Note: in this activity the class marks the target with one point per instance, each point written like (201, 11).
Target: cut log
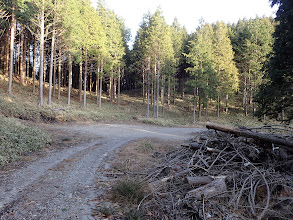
(197, 146)
(263, 138)
(209, 190)
(198, 180)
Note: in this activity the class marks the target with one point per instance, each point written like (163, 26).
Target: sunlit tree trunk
(69, 78)
(101, 85)
(85, 80)
(51, 68)
(41, 73)
(169, 93)
(148, 87)
(22, 58)
(12, 36)
(143, 86)
(54, 75)
(158, 90)
(119, 86)
(80, 82)
(59, 75)
(34, 65)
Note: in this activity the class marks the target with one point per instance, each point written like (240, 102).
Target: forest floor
(61, 181)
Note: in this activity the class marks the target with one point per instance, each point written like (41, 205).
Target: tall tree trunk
(69, 78)
(119, 86)
(245, 97)
(90, 76)
(148, 87)
(6, 67)
(163, 93)
(85, 79)
(111, 87)
(218, 106)
(54, 75)
(22, 59)
(12, 36)
(153, 91)
(174, 93)
(59, 75)
(143, 86)
(34, 65)
(158, 90)
(114, 88)
(194, 104)
(226, 107)
(169, 93)
(80, 82)
(51, 68)
(98, 83)
(101, 84)
(41, 73)
(199, 108)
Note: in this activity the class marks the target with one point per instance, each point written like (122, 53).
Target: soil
(62, 181)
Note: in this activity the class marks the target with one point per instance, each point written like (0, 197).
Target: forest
(71, 45)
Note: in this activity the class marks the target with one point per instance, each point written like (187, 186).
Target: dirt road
(61, 185)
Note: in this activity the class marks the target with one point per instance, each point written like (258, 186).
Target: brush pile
(220, 175)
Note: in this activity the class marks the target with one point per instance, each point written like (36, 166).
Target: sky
(189, 12)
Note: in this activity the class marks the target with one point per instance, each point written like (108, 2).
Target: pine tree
(225, 65)
(276, 95)
(203, 72)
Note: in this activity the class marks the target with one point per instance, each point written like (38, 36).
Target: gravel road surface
(61, 185)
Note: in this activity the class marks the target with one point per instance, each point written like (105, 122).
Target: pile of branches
(221, 175)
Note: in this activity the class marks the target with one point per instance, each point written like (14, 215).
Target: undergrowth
(17, 139)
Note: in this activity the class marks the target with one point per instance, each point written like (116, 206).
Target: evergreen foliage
(276, 95)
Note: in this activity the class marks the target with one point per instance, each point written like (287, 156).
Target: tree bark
(158, 90)
(218, 106)
(6, 67)
(98, 83)
(163, 93)
(69, 78)
(148, 86)
(114, 88)
(34, 66)
(80, 82)
(41, 73)
(169, 92)
(101, 84)
(194, 104)
(54, 76)
(51, 68)
(85, 79)
(22, 58)
(143, 86)
(119, 86)
(59, 75)
(12, 36)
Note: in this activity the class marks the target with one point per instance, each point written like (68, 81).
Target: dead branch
(263, 138)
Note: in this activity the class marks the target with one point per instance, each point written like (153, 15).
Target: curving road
(61, 185)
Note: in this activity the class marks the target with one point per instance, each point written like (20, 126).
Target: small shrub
(146, 147)
(133, 215)
(106, 210)
(17, 139)
(131, 191)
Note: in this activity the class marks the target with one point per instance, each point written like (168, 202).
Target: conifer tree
(225, 66)
(276, 94)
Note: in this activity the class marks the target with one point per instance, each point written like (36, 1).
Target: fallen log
(263, 138)
(209, 190)
(197, 146)
(198, 180)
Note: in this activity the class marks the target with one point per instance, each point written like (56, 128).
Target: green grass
(17, 139)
